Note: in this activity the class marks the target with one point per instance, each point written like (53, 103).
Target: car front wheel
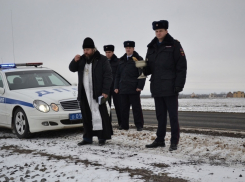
(21, 125)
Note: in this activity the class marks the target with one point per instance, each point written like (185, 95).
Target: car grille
(70, 105)
(71, 122)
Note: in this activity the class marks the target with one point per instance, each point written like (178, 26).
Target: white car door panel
(2, 104)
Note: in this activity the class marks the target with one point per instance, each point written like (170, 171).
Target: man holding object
(95, 78)
(129, 87)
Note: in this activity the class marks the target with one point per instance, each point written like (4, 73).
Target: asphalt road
(224, 121)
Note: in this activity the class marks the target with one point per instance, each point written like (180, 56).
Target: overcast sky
(52, 32)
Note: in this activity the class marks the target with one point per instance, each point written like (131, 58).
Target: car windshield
(34, 79)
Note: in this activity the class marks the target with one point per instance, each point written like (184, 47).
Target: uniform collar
(129, 56)
(168, 40)
(113, 58)
(125, 57)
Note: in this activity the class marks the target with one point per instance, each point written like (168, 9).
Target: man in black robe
(95, 79)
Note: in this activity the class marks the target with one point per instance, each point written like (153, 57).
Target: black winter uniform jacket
(167, 65)
(127, 75)
(114, 61)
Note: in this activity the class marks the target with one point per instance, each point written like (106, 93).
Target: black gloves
(177, 89)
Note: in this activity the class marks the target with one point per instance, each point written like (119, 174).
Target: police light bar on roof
(12, 65)
(8, 65)
(29, 64)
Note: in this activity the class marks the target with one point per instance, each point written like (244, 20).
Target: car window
(40, 80)
(55, 80)
(1, 82)
(11, 78)
(34, 79)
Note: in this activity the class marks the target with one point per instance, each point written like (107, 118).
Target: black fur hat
(109, 48)
(88, 43)
(129, 43)
(162, 24)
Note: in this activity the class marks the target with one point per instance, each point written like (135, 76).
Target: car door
(2, 103)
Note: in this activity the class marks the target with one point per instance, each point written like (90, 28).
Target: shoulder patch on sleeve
(182, 52)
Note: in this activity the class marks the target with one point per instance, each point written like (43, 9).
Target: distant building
(193, 95)
(229, 95)
(212, 95)
(238, 94)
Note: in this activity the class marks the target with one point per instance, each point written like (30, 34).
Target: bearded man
(95, 79)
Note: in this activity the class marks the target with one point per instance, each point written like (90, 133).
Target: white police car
(34, 99)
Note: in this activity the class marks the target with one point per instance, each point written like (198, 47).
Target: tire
(21, 126)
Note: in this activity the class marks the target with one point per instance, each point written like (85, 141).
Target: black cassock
(102, 79)
(87, 120)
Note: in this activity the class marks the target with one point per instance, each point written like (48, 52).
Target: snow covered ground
(235, 105)
(55, 156)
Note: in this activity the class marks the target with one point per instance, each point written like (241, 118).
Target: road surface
(226, 121)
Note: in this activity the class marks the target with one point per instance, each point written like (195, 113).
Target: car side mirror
(2, 90)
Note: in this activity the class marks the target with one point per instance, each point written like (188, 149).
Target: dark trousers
(170, 104)
(117, 103)
(134, 100)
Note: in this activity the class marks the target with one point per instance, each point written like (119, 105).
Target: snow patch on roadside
(198, 158)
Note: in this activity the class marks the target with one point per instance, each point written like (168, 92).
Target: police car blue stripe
(13, 101)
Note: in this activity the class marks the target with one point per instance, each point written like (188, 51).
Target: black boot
(101, 142)
(156, 144)
(84, 143)
(173, 147)
(139, 128)
(120, 127)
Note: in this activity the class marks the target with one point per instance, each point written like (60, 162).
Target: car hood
(50, 94)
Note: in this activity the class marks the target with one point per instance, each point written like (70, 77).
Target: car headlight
(54, 107)
(41, 106)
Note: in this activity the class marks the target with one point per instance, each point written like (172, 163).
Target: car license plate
(75, 116)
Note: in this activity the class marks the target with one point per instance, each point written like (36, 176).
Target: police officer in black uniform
(109, 51)
(129, 86)
(166, 63)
